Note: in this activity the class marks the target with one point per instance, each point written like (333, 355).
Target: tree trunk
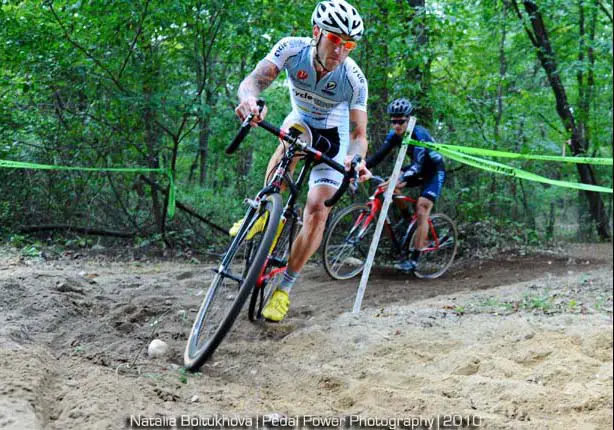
(203, 149)
(420, 72)
(374, 60)
(499, 106)
(579, 145)
(193, 168)
(152, 137)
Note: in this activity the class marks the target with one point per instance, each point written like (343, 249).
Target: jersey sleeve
(284, 49)
(419, 154)
(382, 152)
(359, 85)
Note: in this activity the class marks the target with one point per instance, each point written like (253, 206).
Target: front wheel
(235, 277)
(276, 263)
(347, 241)
(441, 246)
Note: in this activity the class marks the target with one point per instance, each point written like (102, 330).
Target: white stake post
(382, 217)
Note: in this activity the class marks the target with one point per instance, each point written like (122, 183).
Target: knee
(422, 210)
(316, 219)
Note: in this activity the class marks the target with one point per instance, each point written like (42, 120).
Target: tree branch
(185, 207)
(136, 36)
(514, 5)
(551, 125)
(82, 49)
(606, 11)
(85, 230)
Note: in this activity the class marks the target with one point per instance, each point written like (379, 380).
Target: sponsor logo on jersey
(302, 75)
(331, 86)
(317, 101)
(280, 48)
(358, 74)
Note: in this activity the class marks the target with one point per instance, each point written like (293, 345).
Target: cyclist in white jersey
(329, 99)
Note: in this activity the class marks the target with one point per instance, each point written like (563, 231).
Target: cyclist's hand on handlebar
(364, 174)
(397, 189)
(248, 107)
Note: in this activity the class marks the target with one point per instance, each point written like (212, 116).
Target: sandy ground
(518, 342)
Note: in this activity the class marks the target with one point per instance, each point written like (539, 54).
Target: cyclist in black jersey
(427, 169)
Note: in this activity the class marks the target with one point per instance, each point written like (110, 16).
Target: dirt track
(520, 342)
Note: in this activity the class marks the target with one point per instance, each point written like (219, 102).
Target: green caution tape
(503, 154)
(167, 172)
(500, 168)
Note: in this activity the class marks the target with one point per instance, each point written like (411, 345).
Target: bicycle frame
(281, 175)
(274, 186)
(375, 204)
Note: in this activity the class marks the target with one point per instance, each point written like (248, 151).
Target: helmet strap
(318, 55)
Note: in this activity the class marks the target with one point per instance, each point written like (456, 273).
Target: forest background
(153, 84)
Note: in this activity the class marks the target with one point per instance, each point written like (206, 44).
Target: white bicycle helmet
(338, 16)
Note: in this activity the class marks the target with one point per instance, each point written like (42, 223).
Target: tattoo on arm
(353, 126)
(259, 80)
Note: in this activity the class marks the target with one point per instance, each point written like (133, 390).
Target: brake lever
(248, 119)
(353, 187)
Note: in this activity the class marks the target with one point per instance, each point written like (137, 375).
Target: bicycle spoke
(346, 242)
(223, 291)
(342, 257)
(440, 248)
(234, 280)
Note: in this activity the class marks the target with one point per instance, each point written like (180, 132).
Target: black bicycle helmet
(400, 107)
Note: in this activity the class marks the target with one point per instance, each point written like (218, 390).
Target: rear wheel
(235, 277)
(347, 241)
(441, 246)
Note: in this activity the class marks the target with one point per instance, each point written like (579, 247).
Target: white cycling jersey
(323, 104)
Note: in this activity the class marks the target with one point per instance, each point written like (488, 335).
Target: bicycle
(255, 256)
(349, 235)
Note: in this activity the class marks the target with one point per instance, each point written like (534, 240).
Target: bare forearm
(358, 145)
(358, 135)
(248, 89)
(257, 81)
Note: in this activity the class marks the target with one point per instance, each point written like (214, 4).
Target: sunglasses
(337, 40)
(398, 121)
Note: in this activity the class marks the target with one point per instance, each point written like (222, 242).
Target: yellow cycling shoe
(277, 308)
(258, 226)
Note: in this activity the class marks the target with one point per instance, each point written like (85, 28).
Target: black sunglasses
(398, 121)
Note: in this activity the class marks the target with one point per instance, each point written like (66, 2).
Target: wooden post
(382, 218)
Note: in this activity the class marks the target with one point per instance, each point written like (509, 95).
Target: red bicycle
(349, 235)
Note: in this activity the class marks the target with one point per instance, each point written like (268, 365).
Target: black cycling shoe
(407, 266)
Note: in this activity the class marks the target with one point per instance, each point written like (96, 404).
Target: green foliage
(129, 84)
(185, 375)
(541, 303)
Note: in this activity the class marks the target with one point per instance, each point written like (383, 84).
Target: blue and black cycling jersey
(427, 163)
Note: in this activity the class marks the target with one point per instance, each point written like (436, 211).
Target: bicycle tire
(261, 294)
(347, 259)
(441, 252)
(256, 250)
